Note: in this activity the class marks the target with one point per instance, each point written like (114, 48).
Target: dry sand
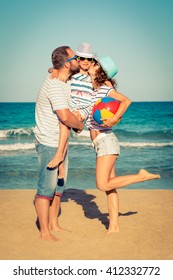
(146, 227)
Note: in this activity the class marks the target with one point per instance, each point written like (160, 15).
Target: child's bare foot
(148, 176)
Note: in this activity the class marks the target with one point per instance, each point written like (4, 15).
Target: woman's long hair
(101, 78)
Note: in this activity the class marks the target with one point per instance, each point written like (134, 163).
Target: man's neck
(59, 75)
(62, 77)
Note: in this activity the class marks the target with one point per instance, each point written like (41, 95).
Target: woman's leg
(113, 208)
(104, 165)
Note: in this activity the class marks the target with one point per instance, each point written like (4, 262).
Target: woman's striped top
(97, 94)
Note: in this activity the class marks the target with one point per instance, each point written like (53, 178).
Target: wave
(27, 132)
(166, 133)
(123, 133)
(31, 146)
(17, 147)
(145, 144)
(16, 132)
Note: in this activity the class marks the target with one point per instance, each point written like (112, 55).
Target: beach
(145, 218)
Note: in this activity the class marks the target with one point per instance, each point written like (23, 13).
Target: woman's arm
(124, 104)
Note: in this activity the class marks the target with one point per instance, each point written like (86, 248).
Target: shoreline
(145, 218)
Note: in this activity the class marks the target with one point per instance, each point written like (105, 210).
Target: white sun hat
(85, 50)
(108, 66)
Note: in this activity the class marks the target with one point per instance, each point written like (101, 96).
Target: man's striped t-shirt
(53, 95)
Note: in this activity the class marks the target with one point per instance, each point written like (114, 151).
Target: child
(79, 103)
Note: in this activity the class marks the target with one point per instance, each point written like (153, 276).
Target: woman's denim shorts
(47, 182)
(106, 143)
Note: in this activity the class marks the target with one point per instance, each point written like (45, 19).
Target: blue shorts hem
(44, 197)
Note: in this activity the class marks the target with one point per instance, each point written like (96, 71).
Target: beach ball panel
(100, 105)
(105, 114)
(97, 116)
(107, 99)
(94, 109)
(98, 101)
(112, 106)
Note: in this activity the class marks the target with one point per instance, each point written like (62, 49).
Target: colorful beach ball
(105, 108)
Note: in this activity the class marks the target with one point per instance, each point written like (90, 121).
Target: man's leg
(46, 189)
(56, 203)
(53, 213)
(42, 207)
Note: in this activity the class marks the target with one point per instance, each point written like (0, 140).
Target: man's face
(74, 65)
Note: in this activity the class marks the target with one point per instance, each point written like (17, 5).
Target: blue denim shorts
(106, 143)
(47, 182)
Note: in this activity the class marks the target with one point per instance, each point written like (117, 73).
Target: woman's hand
(110, 121)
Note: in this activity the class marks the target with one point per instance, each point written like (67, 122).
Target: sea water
(145, 134)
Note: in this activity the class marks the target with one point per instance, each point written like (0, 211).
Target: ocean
(145, 134)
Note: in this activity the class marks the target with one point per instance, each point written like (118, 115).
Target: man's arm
(69, 119)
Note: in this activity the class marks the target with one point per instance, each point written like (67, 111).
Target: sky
(136, 34)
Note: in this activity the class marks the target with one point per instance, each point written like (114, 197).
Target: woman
(105, 142)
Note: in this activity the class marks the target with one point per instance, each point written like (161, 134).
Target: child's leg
(61, 168)
(62, 146)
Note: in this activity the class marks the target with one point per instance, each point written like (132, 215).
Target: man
(52, 106)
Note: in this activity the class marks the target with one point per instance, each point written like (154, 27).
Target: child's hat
(85, 50)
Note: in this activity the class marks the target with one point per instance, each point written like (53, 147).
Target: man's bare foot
(58, 228)
(113, 229)
(148, 176)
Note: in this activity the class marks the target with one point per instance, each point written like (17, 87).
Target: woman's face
(93, 68)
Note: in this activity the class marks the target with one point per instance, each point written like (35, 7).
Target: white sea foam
(144, 144)
(17, 146)
(31, 146)
(3, 133)
(16, 132)
(79, 144)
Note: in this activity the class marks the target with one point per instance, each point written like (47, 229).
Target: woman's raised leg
(104, 165)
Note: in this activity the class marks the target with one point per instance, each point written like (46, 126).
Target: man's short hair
(59, 56)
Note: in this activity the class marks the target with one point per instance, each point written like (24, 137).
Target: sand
(146, 227)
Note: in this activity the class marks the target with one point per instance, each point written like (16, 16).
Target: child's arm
(78, 114)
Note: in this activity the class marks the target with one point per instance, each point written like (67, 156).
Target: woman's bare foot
(148, 176)
(113, 229)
